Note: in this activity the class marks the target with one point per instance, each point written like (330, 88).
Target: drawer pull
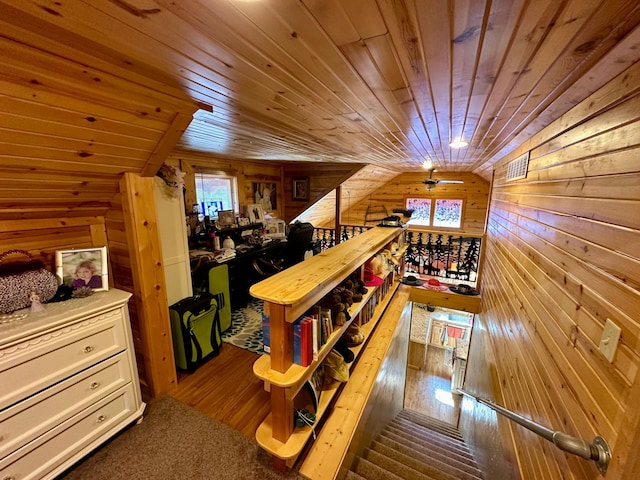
(9, 478)
(101, 419)
(88, 349)
(95, 385)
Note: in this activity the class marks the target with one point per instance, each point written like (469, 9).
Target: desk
(242, 274)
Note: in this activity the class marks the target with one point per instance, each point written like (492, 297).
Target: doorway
(436, 364)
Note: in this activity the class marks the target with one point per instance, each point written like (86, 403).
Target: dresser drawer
(26, 420)
(37, 363)
(48, 452)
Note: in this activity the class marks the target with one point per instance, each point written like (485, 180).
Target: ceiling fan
(431, 182)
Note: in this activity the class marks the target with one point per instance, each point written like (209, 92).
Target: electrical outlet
(609, 339)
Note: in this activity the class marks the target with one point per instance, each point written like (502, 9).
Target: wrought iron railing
(324, 238)
(443, 255)
(447, 256)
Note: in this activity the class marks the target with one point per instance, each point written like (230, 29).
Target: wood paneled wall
(353, 190)
(323, 178)
(474, 191)
(563, 255)
(246, 174)
(41, 238)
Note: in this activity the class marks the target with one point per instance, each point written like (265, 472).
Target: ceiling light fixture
(427, 165)
(458, 143)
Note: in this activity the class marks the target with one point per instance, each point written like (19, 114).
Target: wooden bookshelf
(287, 296)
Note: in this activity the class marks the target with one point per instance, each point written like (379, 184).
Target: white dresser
(68, 382)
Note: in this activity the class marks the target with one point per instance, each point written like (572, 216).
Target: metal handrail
(598, 450)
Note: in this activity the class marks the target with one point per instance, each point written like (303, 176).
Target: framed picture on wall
(83, 268)
(265, 194)
(300, 189)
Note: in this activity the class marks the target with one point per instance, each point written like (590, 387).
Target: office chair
(299, 242)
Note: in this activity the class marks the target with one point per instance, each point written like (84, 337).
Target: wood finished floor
(428, 390)
(225, 388)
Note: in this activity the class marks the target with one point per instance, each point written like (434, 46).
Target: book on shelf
(266, 339)
(302, 341)
(315, 383)
(297, 341)
(326, 323)
(311, 392)
(307, 340)
(315, 336)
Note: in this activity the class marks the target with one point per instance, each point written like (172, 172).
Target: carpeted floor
(246, 327)
(175, 441)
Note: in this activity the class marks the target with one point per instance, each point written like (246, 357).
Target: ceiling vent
(517, 169)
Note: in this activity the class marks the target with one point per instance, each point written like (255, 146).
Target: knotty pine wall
(323, 178)
(393, 194)
(563, 255)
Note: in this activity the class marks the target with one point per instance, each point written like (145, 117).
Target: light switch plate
(609, 339)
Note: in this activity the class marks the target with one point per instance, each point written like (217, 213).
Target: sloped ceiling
(357, 188)
(96, 88)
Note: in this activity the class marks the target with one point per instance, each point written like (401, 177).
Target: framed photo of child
(78, 268)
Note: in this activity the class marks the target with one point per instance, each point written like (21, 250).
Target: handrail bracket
(598, 450)
(604, 454)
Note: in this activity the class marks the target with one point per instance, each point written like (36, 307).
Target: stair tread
(371, 471)
(427, 421)
(351, 475)
(430, 437)
(417, 447)
(392, 465)
(421, 432)
(437, 469)
(423, 417)
(410, 448)
(431, 424)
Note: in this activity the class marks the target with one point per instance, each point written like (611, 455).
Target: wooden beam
(166, 144)
(150, 291)
(455, 301)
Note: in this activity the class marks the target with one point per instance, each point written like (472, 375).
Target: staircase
(417, 447)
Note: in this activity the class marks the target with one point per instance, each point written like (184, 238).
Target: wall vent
(517, 169)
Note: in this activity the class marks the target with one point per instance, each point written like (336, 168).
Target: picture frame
(265, 194)
(86, 267)
(300, 189)
(255, 213)
(226, 218)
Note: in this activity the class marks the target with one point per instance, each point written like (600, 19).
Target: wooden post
(150, 291)
(338, 221)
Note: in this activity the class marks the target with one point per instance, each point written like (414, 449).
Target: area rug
(246, 327)
(175, 441)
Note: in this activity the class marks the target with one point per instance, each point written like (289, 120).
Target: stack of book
(310, 333)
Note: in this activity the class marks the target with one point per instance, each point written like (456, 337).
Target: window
(446, 213)
(216, 192)
(421, 211)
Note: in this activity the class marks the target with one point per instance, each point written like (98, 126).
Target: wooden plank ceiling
(384, 82)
